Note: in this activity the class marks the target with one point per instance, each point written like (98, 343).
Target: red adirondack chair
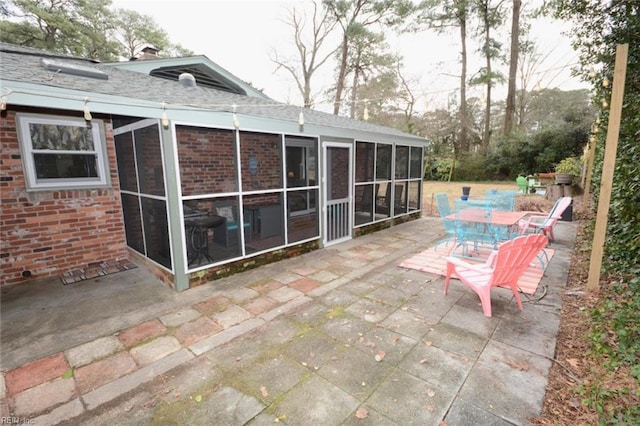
(503, 268)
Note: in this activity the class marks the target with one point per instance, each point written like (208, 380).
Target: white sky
(239, 35)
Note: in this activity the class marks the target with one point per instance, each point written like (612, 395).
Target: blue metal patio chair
(473, 226)
(505, 201)
(501, 199)
(444, 209)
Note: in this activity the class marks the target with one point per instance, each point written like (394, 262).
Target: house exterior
(179, 166)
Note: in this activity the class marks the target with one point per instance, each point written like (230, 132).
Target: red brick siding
(267, 150)
(51, 232)
(160, 273)
(207, 160)
(303, 227)
(339, 174)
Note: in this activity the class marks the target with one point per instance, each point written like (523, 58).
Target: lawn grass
(454, 190)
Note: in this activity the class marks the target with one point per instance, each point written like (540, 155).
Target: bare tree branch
(309, 56)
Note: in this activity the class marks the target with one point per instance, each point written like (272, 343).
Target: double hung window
(62, 152)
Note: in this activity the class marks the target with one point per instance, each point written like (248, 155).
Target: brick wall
(47, 233)
(207, 160)
(339, 176)
(261, 163)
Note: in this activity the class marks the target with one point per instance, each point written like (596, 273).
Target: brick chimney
(149, 52)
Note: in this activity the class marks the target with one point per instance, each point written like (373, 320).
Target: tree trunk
(464, 127)
(510, 107)
(522, 108)
(342, 74)
(354, 85)
(486, 133)
(307, 90)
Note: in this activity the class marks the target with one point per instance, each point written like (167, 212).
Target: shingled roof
(22, 73)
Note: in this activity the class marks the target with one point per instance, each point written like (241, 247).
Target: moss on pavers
(346, 329)
(427, 362)
(409, 400)
(370, 310)
(270, 379)
(313, 350)
(355, 372)
(316, 402)
(407, 323)
(457, 340)
(394, 345)
(224, 406)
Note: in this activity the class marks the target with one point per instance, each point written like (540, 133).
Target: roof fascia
(35, 95)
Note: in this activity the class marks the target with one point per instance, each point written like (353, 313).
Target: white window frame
(23, 121)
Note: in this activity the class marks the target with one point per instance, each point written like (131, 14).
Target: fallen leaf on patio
(362, 413)
(67, 374)
(396, 340)
(198, 398)
(428, 343)
(177, 394)
(422, 361)
(431, 393)
(573, 362)
(429, 407)
(521, 365)
(404, 308)
(264, 392)
(443, 423)
(380, 356)
(334, 358)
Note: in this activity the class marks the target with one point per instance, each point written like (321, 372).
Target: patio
(329, 337)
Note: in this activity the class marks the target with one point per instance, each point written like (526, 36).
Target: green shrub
(570, 165)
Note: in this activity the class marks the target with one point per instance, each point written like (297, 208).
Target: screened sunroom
(234, 194)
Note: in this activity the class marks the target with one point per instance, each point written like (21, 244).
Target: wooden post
(591, 155)
(611, 146)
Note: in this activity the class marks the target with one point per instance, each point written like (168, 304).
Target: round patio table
(197, 232)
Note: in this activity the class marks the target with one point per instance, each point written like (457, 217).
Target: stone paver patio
(337, 336)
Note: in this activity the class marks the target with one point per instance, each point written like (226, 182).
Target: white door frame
(337, 215)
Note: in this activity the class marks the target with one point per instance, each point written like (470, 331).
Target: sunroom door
(337, 187)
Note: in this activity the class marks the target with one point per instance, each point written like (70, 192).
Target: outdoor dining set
(513, 240)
